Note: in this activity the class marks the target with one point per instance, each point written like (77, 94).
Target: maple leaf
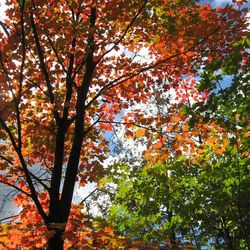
(69, 71)
(140, 132)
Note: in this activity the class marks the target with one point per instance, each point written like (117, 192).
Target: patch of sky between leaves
(2, 9)
(222, 3)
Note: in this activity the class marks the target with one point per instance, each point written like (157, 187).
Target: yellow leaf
(156, 38)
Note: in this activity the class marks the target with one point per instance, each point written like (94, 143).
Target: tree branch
(5, 159)
(148, 128)
(92, 192)
(40, 181)
(73, 162)
(92, 125)
(56, 53)
(15, 187)
(129, 76)
(19, 125)
(14, 99)
(60, 139)
(9, 217)
(34, 176)
(25, 169)
(5, 28)
(43, 66)
(124, 33)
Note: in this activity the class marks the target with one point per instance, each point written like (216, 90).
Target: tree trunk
(56, 242)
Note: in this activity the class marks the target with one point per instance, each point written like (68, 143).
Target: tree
(198, 195)
(67, 70)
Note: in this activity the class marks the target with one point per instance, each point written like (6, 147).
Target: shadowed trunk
(56, 242)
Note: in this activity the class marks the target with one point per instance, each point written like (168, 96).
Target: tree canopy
(128, 95)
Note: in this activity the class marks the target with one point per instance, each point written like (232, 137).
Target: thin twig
(17, 188)
(92, 125)
(9, 217)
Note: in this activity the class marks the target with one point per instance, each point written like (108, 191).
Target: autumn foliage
(71, 72)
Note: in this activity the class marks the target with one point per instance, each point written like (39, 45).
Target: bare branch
(40, 181)
(149, 128)
(69, 83)
(15, 100)
(8, 79)
(15, 187)
(5, 28)
(91, 193)
(9, 217)
(36, 84)
(34, 176)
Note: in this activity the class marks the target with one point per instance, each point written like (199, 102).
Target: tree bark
(56, 242)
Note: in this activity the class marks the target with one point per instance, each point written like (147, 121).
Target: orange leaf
(175, 118)
(109, 127)
(140, 132)
(158, 145)
(170, 128)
